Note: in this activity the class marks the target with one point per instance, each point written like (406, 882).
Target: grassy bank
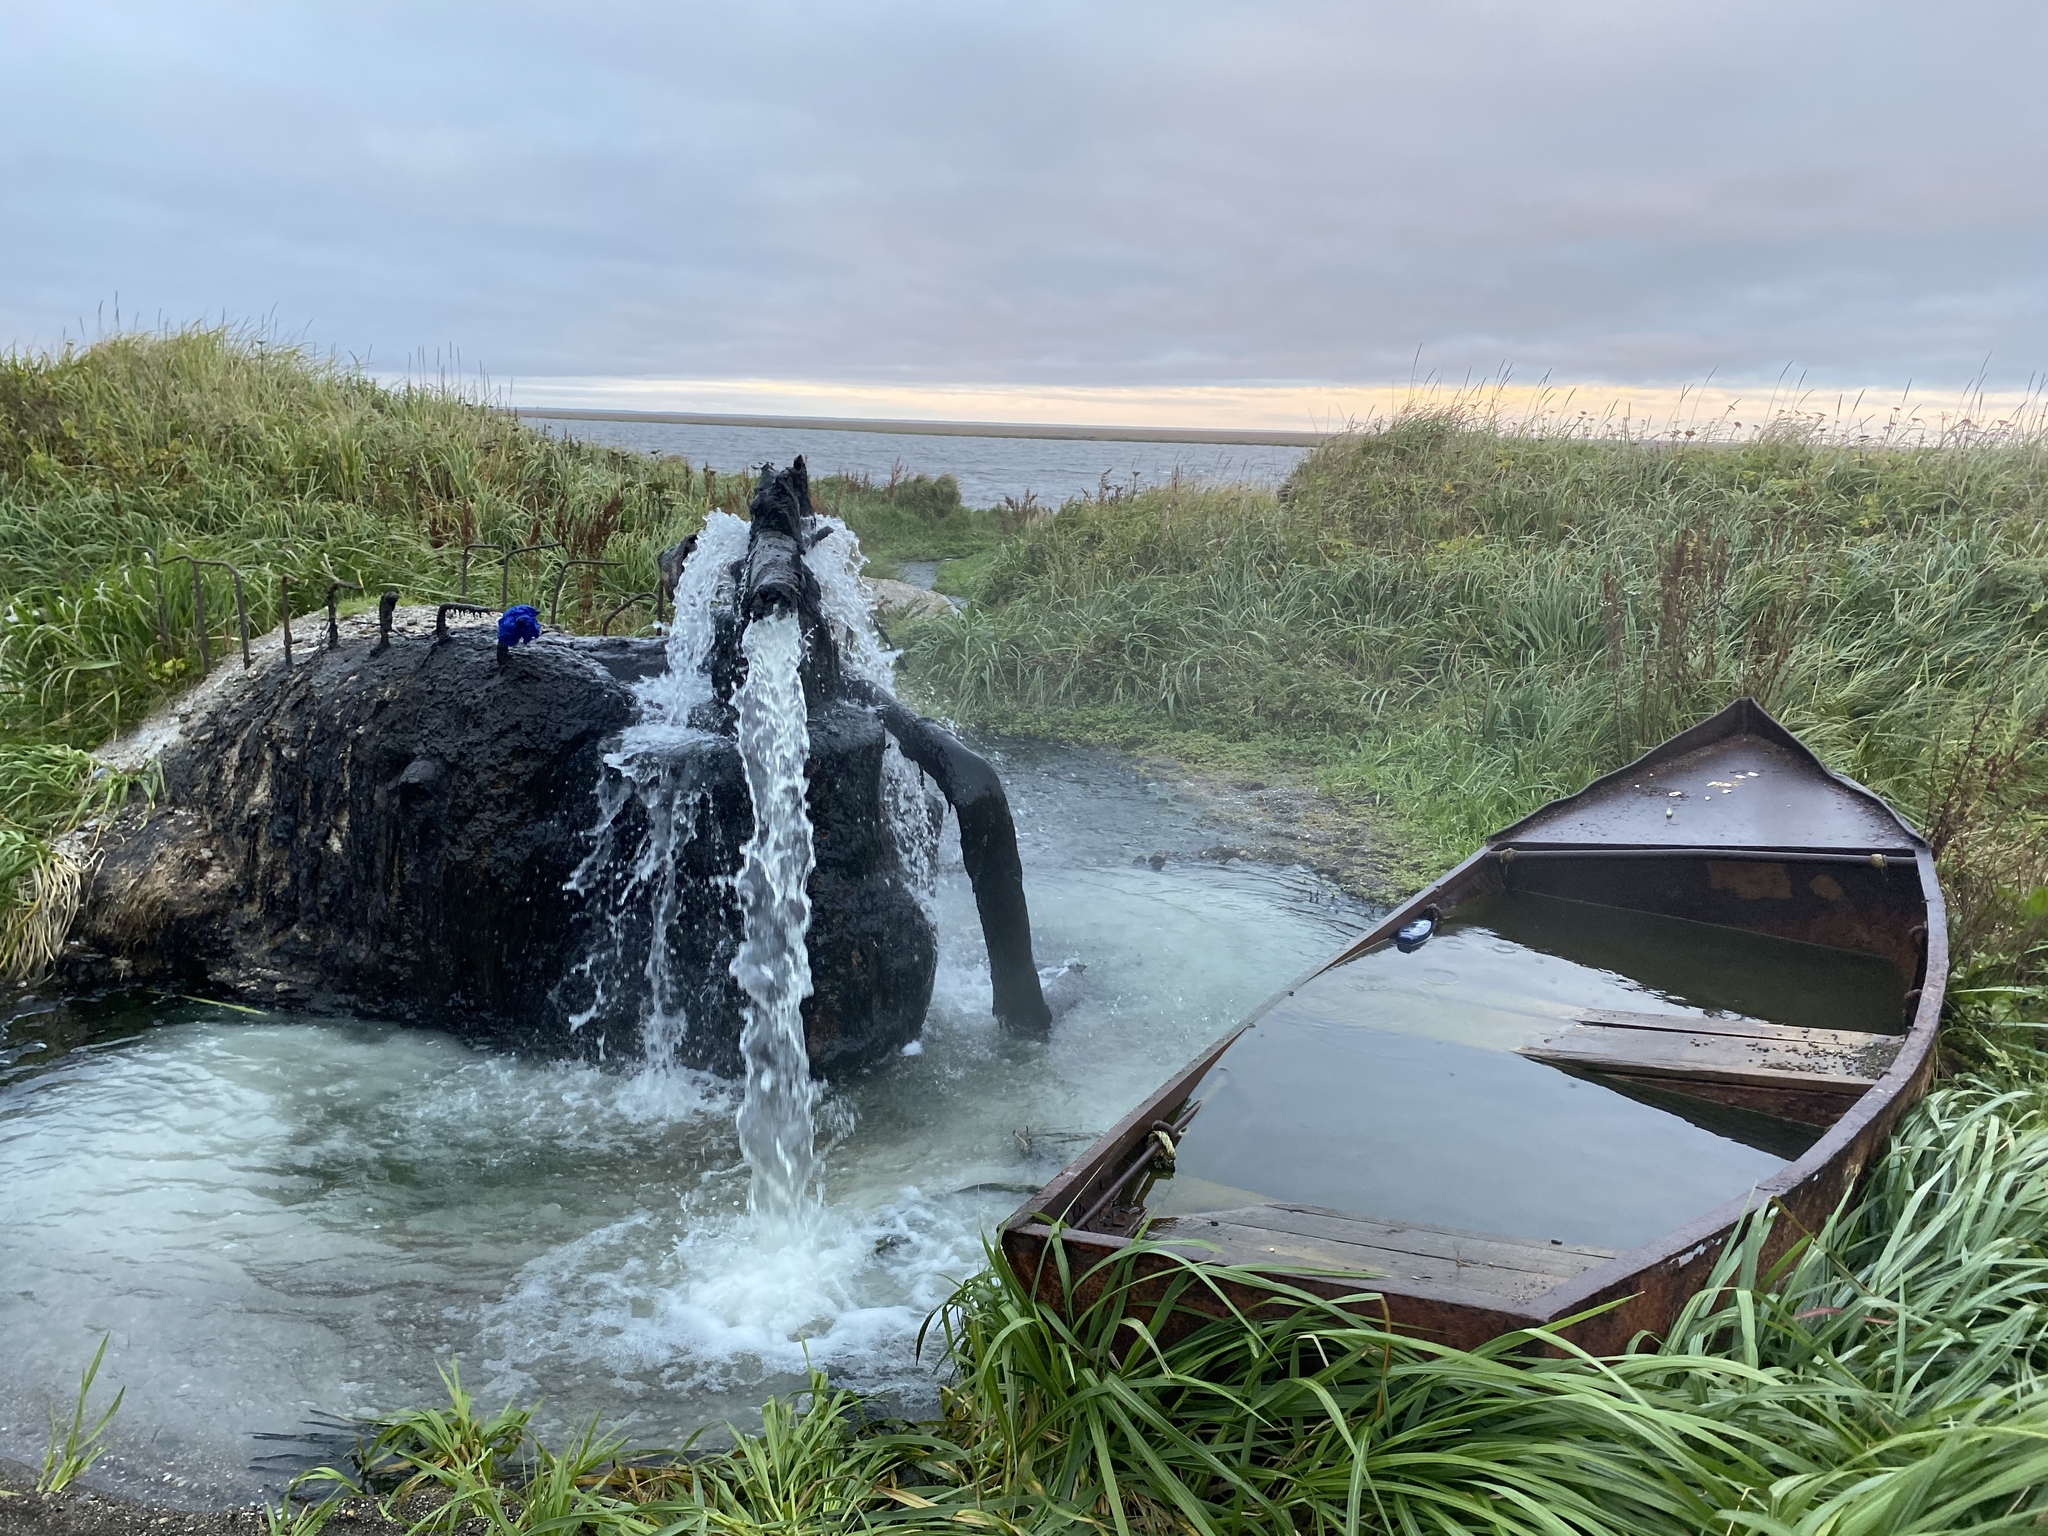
(1452, 625)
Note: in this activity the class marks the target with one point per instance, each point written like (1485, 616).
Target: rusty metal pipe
(562, 579)
(638, 597)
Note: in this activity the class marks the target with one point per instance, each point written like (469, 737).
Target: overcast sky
(1046, 196)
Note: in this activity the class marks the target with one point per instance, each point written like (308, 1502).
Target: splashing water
(773, 967)
(358, 1202)
(913, 813)
(654, 769)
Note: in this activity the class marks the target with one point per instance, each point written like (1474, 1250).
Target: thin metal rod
(464, 588)
(163, 624)
(284, 606)
(638, 597)
(333, 620)
(441, 617)
(505, 567)
(199, 615)
(1123, 1180)
(386, 606)
(562, 578)
(241, 603)
(242, 617)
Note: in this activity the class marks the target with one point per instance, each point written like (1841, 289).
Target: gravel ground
(83, 1513)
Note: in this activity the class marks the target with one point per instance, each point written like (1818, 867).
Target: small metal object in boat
(1410, 937)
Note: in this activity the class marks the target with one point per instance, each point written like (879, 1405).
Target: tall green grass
(123, 463)
(1454, 623)
(220, 446)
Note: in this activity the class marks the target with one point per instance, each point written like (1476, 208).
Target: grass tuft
(73, 1448)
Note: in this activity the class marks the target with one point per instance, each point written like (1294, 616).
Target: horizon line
(1249, 437)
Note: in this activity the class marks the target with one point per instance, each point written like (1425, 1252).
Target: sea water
(988, 468)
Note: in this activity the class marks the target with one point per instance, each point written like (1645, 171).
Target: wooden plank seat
(1807, 1075)
(1282, 1236)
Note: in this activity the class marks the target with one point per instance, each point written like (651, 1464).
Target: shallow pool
(283, 1222)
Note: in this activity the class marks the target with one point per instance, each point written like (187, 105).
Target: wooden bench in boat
(1808, 1075)
(1283, 1236)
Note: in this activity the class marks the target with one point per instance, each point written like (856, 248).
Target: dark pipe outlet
(988, 847)
(781, 503)
(774, 577)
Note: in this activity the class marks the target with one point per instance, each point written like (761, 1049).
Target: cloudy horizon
(1275, 216)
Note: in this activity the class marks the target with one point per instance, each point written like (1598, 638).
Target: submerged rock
(393, 831)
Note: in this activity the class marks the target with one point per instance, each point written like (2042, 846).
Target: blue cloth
(519, 624)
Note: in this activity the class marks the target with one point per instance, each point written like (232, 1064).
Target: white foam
(837, 562)
(739, 1300)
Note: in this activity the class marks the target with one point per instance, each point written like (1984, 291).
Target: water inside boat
(1390, 1087)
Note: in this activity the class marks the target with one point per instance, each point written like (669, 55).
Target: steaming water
(279, 1218)
(773, 967)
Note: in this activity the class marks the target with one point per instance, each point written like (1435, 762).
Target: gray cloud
(1056, 194)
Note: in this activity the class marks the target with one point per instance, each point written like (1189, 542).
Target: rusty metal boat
(1555, 1081)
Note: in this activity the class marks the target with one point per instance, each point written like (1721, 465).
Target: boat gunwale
(1678, 1261)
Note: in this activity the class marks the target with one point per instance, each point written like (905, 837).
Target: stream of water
(777, 1133)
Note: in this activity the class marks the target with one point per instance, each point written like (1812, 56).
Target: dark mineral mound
(393, 831)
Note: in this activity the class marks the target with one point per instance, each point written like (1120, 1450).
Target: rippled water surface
(282, 1220)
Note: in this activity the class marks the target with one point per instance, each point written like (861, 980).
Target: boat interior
(1624, 1012)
